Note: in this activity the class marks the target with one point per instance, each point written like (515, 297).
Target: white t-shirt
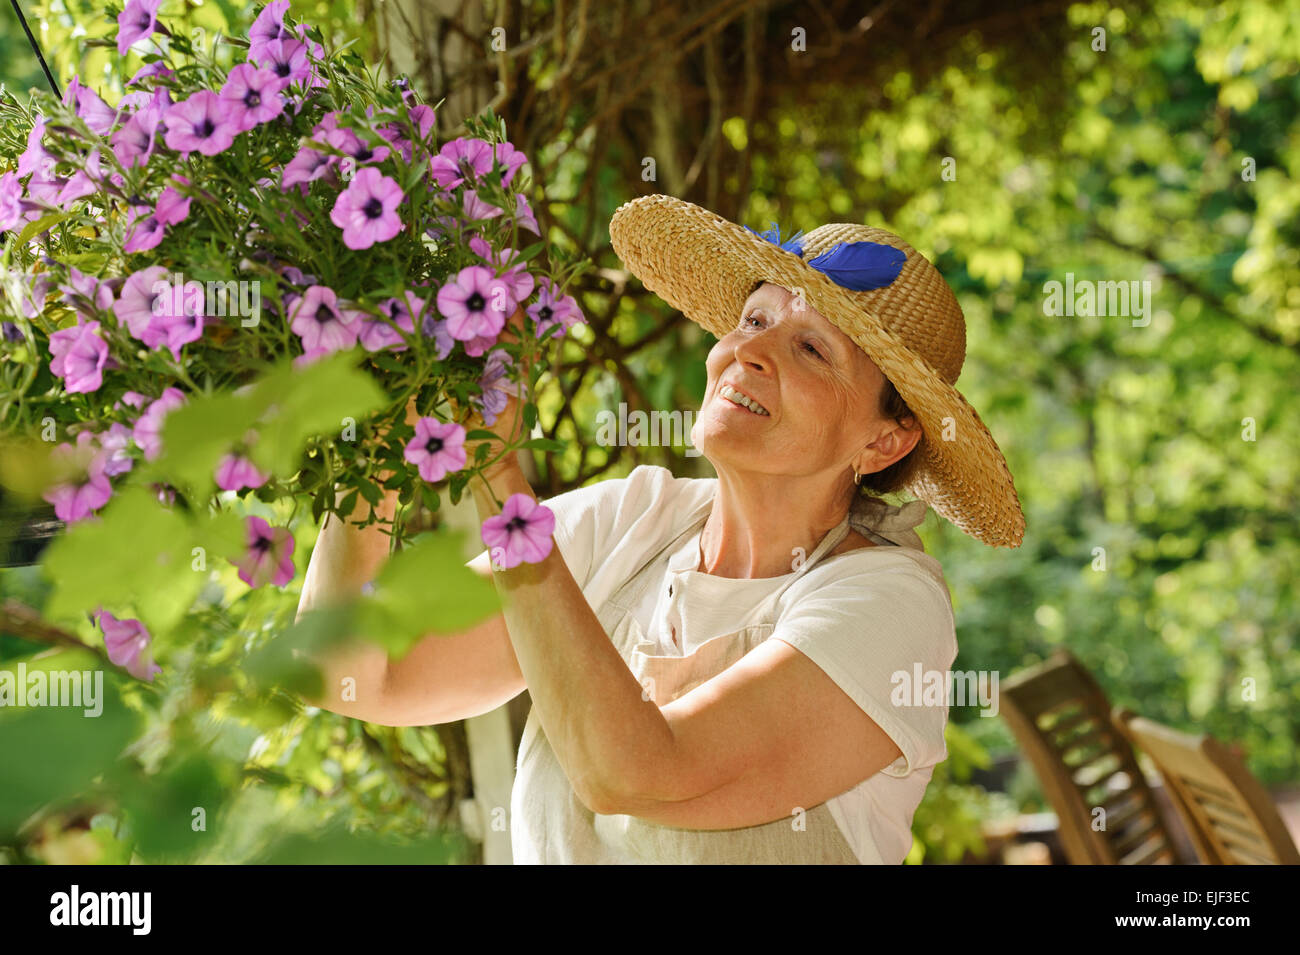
(864, 617)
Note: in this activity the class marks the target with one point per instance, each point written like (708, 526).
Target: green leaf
(139, 555)
(544, 444)
(302, 402)
(337, 846)
(196, 435)
(34, 229)
(50, 753)
(425, 589)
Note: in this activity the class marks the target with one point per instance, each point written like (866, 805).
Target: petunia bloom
(114, 452)
(160, 313)
(148, 429)
(307, 165)
(465, 156)
(77, 499)
(366, 210)
(137, 20)
(269, 558)
(497, 388)
(510, 158)
(79, 357)
(252, 96)
(475, 303)
(134, 143)
(437, 448)
(551, 311)
(316, 318)
(287, 59)
(88, 105)
(377, 334)
(127, 642)
(234, 471)
(521, 533)
(202, 123)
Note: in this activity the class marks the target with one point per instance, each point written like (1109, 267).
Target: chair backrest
(1061, 718)
(1230, 816)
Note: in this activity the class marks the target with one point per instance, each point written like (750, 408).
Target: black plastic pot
(25, 531)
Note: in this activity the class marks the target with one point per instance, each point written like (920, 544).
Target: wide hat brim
(706, 267)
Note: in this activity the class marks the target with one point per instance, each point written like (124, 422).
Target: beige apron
(548, 823)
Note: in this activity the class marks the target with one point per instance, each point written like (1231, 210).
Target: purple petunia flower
(475, 303)
(305, 167)
(551, 311)
(511, 159)
(287, 59)
(114, 450)
(517, 278)
(157, 69)
(458, 158)
(234, 471)
(347, 141)
(524, 214)
(316, 318)
(423, 117)
(437, 448)
(148, 228)
(133, 144)
(12, 208)
(366, 210)
(269, 558)
(137, 20)
(86, 103)
(268, 26)
(148, 429)
(160, 313)
(497, 388)
(79, 357)
(252, 96)
(34, 294)
(436, 328)
(35, 158)
(475, 208)
(521, 533)
(127, 642)
(82, 183)
(376, 334)
(77, 499)
(202, 123)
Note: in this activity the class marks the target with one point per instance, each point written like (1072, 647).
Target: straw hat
(876, 289)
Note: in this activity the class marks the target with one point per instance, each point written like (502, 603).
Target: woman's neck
(767, 536)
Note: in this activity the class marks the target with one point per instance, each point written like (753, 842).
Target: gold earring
(857, 478)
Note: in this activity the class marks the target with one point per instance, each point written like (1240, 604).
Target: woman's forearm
(592, 709)
(345, 558)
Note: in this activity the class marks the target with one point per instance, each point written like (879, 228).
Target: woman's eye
(748, 318)
(811, 348)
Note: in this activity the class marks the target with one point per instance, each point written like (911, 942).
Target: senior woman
(714, 663)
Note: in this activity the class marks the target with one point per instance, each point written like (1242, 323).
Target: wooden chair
(1231, 818)
(1062, 720)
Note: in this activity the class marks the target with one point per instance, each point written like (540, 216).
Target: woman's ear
(892, 446)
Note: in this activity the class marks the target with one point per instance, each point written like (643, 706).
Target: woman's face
(819, 394)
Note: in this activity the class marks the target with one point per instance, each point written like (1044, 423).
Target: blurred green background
(1012, 148)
